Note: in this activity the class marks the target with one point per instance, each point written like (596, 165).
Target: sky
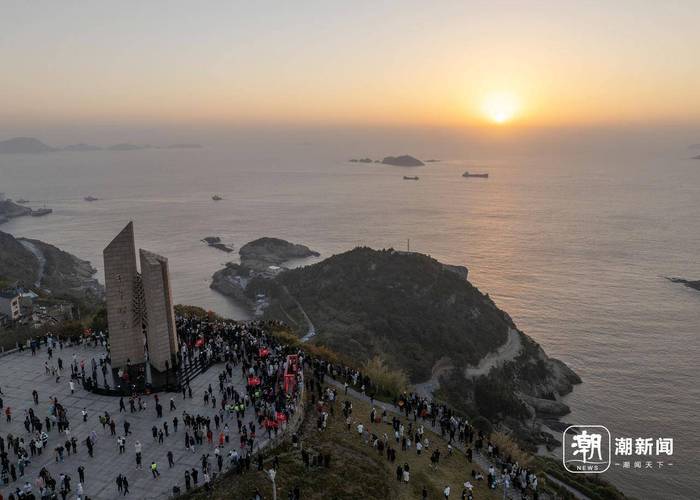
(374, 63)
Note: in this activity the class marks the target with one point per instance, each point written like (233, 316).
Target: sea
(575, 247)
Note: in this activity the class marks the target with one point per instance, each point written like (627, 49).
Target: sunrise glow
(501, 107)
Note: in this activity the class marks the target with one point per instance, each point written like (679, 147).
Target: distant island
(398, 161)
(82, 147)
(31, 145)
(24, 145)
(402, 161)
(127, 147)
(185, 146)
(696, 157)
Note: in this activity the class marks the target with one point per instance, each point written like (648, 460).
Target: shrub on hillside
(386, 380)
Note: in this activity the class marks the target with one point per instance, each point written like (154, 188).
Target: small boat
(40, 211)
(22, 201)
(90, 198)
(216, 197)
(483, 176)
(410, 177)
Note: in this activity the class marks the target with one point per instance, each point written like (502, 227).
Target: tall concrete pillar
(125, 334)
(160, 331)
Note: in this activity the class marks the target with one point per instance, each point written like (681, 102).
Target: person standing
(171, 462)
(81, 474)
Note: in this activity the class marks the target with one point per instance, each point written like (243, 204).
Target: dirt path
(507, 352)
(311, 330)
(427, 388)
(39, 256)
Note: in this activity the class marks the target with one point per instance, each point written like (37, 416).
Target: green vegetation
(197, 312)
(407, 308)
(386, 380)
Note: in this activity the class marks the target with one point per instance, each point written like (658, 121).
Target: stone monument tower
(139, 305)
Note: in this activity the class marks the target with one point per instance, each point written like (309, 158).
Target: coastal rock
(215, 242)
(232, 281)
(256, 258)
(695, 285)
(460, 271)
(402, 161)
(696, 157)
(361, 160)
(24, 145)
(265, 252)
(10, 210)
(546, 407)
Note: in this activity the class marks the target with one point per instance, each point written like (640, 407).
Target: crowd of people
(228, 429)
(408, 435)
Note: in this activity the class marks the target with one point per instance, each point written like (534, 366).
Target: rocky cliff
(38, 265)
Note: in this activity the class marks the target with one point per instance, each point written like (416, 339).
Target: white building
(9, 305)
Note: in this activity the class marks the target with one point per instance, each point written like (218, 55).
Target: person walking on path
(154, 470)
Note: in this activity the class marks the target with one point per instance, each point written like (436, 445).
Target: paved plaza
(21, 373)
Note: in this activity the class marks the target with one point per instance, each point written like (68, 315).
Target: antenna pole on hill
(408, 245)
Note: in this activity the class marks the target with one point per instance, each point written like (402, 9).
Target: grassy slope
(356, 470)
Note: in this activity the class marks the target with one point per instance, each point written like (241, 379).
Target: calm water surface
(574, 249)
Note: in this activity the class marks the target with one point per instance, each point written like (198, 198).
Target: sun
(500, 107)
